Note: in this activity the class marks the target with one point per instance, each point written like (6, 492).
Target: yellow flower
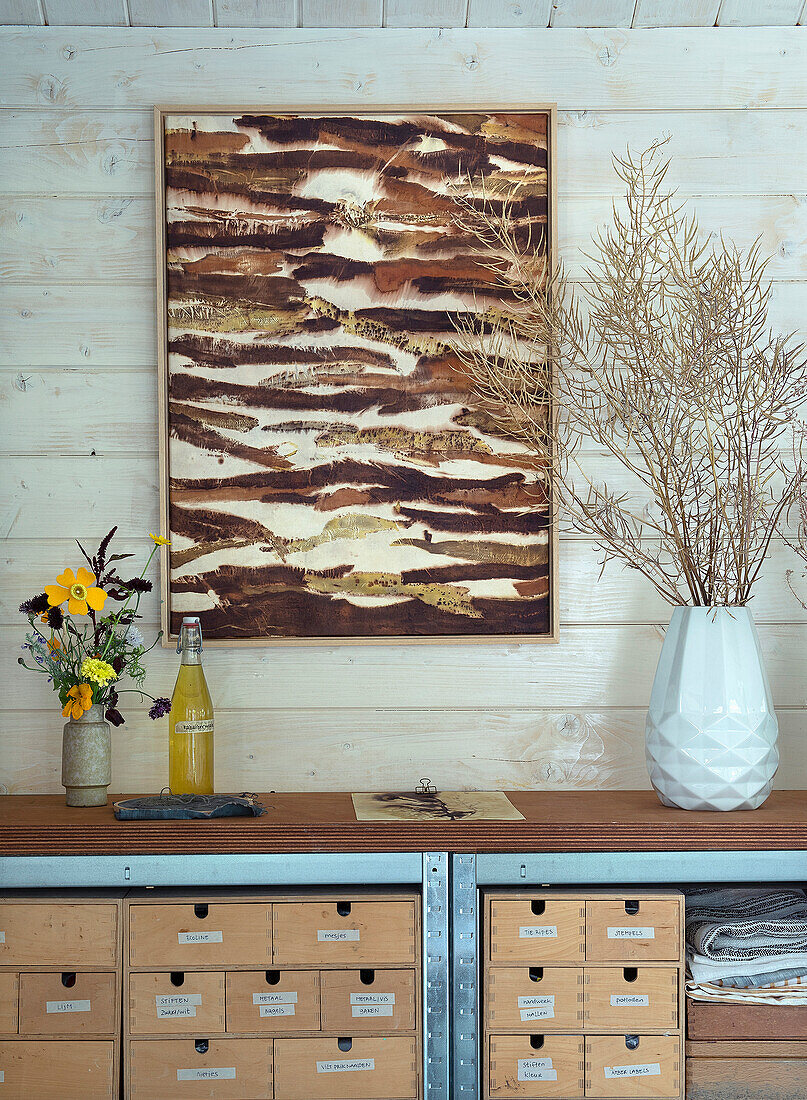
(159, 540)
(78, 591)
(98, 671)
(79, 699)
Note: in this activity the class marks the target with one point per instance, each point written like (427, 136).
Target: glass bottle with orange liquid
(190, 744)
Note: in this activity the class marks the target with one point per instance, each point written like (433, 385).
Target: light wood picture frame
(324, 475)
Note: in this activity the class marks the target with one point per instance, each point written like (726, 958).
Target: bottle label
(203, 725)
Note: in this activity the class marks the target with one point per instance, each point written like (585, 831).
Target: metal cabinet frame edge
(429, 870)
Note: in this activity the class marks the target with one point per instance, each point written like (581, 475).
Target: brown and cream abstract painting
(328, 474)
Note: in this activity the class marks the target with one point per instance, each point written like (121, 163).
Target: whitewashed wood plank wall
(78, 385)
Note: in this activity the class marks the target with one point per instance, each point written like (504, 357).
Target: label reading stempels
(339, 935)
(630, 1000)
(200, 937)
(536, 1069)
(629, 933)
(538, 932)
(648, 1069)
(203, 725)
(223, 1073)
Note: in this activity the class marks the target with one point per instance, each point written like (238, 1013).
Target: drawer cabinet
(541, 929)
(198, 934)
(58, 1070)
(636, 1065)
(178, 1003)
(58, 934)
(346, 1069)
(537, 1065)
(69, 1003)
(368, 1000)
(631, 998)
(273, 1001)
(214, 1069)
(338, 933)
(633, 930)
(534, 998)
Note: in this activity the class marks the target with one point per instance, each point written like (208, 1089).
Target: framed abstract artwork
(325, 475)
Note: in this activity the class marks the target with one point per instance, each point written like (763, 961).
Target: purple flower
(114, 716)
(159, 707)
(137, 584)
(55, 618)
(37, 605)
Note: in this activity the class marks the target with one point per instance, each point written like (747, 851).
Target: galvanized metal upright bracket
(436, 945)
(464, 929)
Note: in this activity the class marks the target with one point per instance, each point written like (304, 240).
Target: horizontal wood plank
(104, 240)
(64, 69)
(714, 152)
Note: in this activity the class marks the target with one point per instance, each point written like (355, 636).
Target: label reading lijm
(68, 1006)
(354, 1065)
(649, 1069)
(277, 998)
(176, 1012)
(536, 1069)
(267, 1011)
(203, 725)
(177, 1000)
(341, 935)
(630, 1000)
(372, 998)
(200, 937)
(222, 1073)
(538, 932)
(630, 933)
(362, 1011)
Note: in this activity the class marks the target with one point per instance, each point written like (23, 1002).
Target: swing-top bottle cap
(191, 619)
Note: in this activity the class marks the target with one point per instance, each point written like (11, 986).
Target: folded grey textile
(742, 925)
(178, 807)
(749, 970)
(770, 977)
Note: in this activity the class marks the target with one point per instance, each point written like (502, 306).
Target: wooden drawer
(50, 1069)
(633, 930)
(336, 933)
(537, 929)
(231, 1069)
(9, 1000)
(273, 1001)
(767, 1070)
(346, 1069)
(84, 1005)
(368, 1000)
(63, 934)
(187, 936)
(537, 1065)
(178, 1003)
(614, 1067)
(713, 1020)
(631, 998)
(524, 998)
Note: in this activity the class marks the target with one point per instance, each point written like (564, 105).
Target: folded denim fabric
(179, 807)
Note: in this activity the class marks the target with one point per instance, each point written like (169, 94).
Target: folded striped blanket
(732, 925)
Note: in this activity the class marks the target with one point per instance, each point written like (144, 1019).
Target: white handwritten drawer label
(340, 935)
(178, 1012)
(631, 933)
(2, 1076)
(68, 1006)
(346, 1065)
(371, 1010)
(169, 1000)
(200, 937)
(278, 998)
(649, 1069)
(630, 1000)
(2, 937)
(222, 1073)
(538, 932)
(276, 1010)
(536, 1069)
(372, 998)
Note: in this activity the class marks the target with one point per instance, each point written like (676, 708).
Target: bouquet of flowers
(83, 652)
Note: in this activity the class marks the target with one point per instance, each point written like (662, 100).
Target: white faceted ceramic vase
(711, 730)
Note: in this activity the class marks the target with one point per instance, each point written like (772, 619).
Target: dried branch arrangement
(664, 361)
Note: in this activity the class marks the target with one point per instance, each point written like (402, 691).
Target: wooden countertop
(559, 821)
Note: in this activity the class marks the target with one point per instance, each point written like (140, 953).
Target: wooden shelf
(563, 821)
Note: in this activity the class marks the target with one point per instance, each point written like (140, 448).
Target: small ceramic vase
(711, 730)
(87, 758)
